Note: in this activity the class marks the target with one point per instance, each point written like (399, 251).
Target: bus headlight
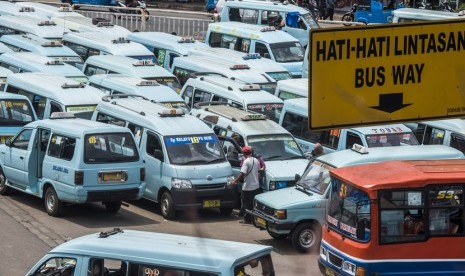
(349, 268)
(181, 183)
(323, 253)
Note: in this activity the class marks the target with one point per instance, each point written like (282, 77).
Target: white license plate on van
(115, 176)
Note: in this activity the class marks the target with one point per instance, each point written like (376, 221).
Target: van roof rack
(198, 74)
(108, 98)
(216, 103)
(72, 85)
(106, 234)
(26, 9)
(216, 83)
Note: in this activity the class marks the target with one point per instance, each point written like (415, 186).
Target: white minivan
(185, 165)
(298, 20)
(268, 42)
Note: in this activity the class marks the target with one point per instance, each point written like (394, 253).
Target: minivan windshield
(271, 110)
(110, 147)
(287, 51)
(316, 178)
(171, 82)
(15, 113)
(276, 147)
(194, 149)
(82, 111)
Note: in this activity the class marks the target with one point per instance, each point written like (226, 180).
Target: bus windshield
(271, 110)
(194, 149)
(276, 147)
(316, 178)
(349, 211)
(287, 51)
(391, 140)
(15, 113)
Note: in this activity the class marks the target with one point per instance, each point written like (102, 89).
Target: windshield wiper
(197, 161)
(303, 188)
(214, 160)
(273, 157)
(294, 157)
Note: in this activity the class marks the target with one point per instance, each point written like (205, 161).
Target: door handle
(21, 157)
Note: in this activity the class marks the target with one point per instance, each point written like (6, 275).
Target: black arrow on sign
(390, 102)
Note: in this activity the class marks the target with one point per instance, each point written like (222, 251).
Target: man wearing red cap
(250, 188)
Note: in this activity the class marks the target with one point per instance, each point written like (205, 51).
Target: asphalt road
(28, 233)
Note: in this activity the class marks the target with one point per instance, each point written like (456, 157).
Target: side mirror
(8, 143)
(297, 177)
(158, 154)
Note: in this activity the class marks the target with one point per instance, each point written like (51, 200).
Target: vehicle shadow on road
(90, 215)
(284, 247)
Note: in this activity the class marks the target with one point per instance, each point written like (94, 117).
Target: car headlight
(280, 214)
(229, 182)
(181, 183)
(272, 185)
(323, 253)
(349, 268)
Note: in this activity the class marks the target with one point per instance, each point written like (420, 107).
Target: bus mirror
(297, 177)
(360, 232)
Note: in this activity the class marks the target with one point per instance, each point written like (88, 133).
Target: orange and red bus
(395, 218)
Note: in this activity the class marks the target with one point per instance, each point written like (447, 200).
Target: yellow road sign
(386, 73)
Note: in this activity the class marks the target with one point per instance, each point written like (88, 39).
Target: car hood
(286, 197)
(285, 169)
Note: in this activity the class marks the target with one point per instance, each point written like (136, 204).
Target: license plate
(211, 203)
(261, 222)
(329, 272)
(113, 177)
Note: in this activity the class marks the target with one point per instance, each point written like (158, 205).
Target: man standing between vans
(250, 188)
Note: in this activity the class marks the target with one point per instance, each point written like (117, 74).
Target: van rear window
(15, 112)
(110, 147)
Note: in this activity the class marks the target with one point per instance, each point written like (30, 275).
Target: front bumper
(264, 221)
(200, 197)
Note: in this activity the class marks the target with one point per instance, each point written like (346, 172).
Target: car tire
(306, 236)
(276, 236)
(167, 206)
(226, 211)
(4, 189)
(53, 205)
(112, 206)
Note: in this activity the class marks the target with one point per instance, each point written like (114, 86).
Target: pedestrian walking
(329, 9)
(251, 186)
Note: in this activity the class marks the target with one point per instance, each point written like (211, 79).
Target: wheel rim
(51, 202)
(165, 206)
(2, 181)
(306, 238)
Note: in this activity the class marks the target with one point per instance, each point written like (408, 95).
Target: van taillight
(78, 178)
(142, 174)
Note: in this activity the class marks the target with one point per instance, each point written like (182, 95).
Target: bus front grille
(335, 260)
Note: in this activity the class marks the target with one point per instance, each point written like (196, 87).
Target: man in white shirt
(251, 186)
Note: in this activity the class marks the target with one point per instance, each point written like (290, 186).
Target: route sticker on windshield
(92, 140)
(292, 144)
(58, 141)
